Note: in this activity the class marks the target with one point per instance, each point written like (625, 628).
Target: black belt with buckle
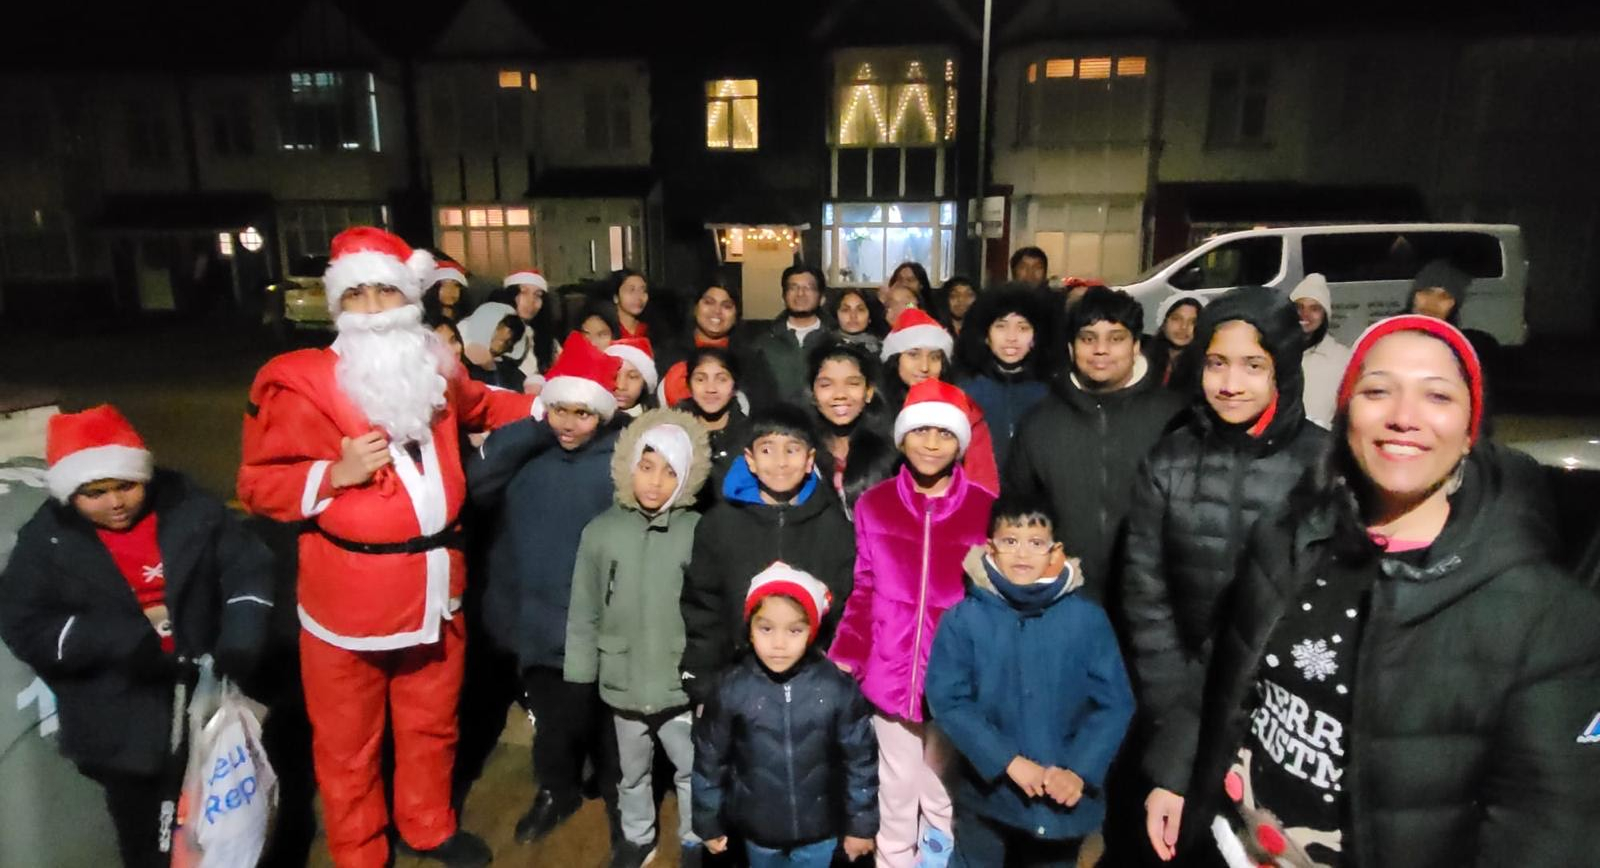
(449, 538)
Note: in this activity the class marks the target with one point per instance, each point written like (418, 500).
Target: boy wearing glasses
(1027, 682)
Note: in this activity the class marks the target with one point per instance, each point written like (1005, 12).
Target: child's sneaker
(935, 848)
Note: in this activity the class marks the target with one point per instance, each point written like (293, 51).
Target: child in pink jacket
(911, 533)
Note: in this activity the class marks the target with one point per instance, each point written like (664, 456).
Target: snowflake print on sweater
(1315, 659)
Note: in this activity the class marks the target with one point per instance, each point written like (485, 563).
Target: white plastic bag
(230, 790)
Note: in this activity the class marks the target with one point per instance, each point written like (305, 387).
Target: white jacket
(1323, 366)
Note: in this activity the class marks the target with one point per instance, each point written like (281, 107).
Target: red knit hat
(914, 330)
(637, 352)
(365, 254)
(582, 375)
(935, 404)
(1436, 328)
(799, 585)
(96, 444)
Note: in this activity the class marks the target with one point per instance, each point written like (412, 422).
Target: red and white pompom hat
(637, 352)
(448, 271)
(531, 277)
(98, 443)
(584, 376)
(799, 585)
(915, 330)
(368, 255)
(935, 404)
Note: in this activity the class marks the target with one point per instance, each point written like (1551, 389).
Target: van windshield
(1154, 270)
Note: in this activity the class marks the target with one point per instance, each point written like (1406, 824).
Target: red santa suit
(381, 574)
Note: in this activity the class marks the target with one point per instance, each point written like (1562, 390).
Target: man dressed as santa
(360, 442)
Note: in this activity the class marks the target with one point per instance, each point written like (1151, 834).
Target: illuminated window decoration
(224, 244)
(1060, 67)
(1033, 73)
(533, 81)
(950, 113)
(1094, 68)
(510, 78)
(732, 239)
(870, 239)
(733, 114)
(950, 72)
(250, 239)
(1130, 67)
(865, 101)
(914, 92)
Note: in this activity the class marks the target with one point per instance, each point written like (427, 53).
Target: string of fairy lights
(865, 107)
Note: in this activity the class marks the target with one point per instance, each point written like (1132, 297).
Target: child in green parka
(624, 627)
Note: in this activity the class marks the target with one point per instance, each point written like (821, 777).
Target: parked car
(297, 302)
(1572, 469)
(1369, 268)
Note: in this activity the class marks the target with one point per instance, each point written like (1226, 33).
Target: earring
(1457, 476)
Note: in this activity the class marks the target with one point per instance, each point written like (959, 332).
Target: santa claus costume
(381, 566)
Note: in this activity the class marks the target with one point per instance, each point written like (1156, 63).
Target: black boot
(461, 850)
(548, 813)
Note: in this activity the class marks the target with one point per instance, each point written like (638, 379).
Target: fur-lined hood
(978, 575)
(699, 460)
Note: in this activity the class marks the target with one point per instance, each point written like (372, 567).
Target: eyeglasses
(1032, 545)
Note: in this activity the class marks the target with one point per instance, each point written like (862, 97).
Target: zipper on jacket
(783, 514)
(922, 607)
(1105, 462)
(788, 761)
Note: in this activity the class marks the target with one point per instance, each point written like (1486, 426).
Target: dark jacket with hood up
(740, 537)
(1081, 451)
(1039, 678)
(1197, 497)
(67, 611)
(786, 760)
(550, 495)
(872, 458)
(1475, 738)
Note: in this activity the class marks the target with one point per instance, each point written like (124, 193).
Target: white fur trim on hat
(95, 463)
(780, 578)
(641, 362)
(581, 391)
(934, 414)
(531, 278)
(930, 337)
(1314, 287)
(673, 444)
(446, 272)
(370, 266)
(1171, 301)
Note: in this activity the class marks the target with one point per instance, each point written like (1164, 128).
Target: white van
(1369, 268)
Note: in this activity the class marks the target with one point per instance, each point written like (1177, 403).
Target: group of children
(915, 677)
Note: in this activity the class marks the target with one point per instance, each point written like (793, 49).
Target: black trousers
(571, 731)
(983, 843)
(134, 802)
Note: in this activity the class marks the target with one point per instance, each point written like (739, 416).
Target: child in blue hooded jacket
(1027, 681)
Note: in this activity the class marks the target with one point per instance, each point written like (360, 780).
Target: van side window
(1346, 257)
(1242, 262)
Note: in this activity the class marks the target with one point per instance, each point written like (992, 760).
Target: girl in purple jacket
(911, 533)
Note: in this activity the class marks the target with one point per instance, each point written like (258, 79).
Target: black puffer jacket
(740, 537)
(786, 760)
(1475, 694)
(1197, 497)
(67, 611)
(1081, 452)
(871, 460)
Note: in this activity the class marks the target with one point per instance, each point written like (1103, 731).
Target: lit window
(250, 239)
(733, 114)
(510, 78)
(533, 81)
(516, 217)
(1033, 73)
(1130, 67)
(450, 217)
(1094, 67)
(1059, 67)
(477, 217)
(224, 244)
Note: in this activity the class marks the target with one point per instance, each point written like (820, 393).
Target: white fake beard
(394, 369)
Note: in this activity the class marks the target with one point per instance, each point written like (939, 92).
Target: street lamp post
(983, 143)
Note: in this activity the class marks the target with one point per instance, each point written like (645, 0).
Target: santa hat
(935, 404)
(1436, 328)
(798, 585)
(364, 254)
(530, 277)
(637, 352)
(96, 444)
(916, 330)
(1314, 287)
(448, 271)
(584, 376)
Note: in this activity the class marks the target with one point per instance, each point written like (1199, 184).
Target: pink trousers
(911, 759)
